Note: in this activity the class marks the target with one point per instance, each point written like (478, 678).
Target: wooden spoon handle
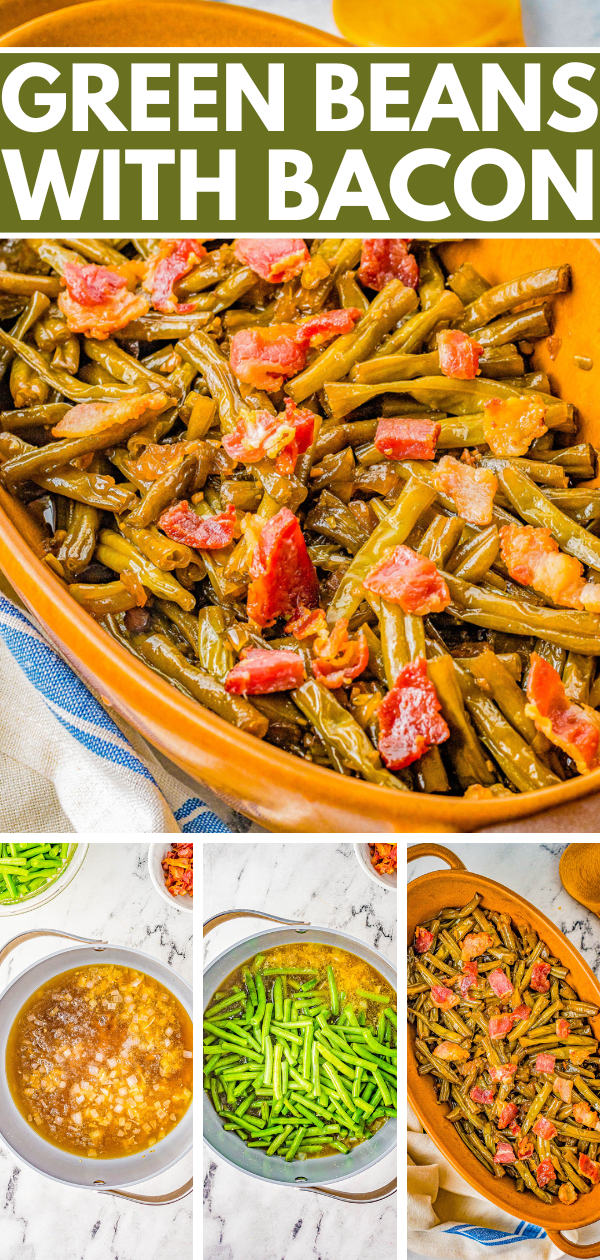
(435, 850)
(572, 1248)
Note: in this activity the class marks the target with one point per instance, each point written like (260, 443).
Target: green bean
(534, 506)
(342, 733)
(514, 756)
(504, 297)
(208, 691)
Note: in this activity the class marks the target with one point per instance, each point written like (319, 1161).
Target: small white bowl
(156, 853)
(363, 854)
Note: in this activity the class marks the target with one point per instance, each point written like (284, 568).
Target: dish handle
(435, 850)
(371, 1196)
(572, 1248)
(155, 1200)
(226, 915)
(35, 932)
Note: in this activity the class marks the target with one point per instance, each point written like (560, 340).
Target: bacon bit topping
(277, 260)
(533, 558)
(578, 1055)
(584, 1114)
(545, 1172)
(504, 1072)
(467, 978)
(573, 727)
(545, 1128)
(384, 858)
(309, 622)
(449, 1050)
(507, 1113)
(504, 1154)
(522, 1012)
(423, 940)
(171, 262)
(340, 659)
(410, 580)
(178, 868)
(562, 1088)
(589, 1168)
(444, 998)
(514, 1130)
(281, 437)
(382, 261)
(500, 983)
(482, 1095)
(563, 1029)
(407, 439)
(474, 944)
(261, 671)
(97, 301)
(284, 581)
(266, 357)
(511, 424)
(525, 1147)
(98, 417)
(567, 1193)
(545, 1062)
(539, 977)
(207, 533)
(156, 460)
(459, 355)
(472, 489)
(500, 1026)
(409, 717)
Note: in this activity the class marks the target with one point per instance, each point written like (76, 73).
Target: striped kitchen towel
(66, 766)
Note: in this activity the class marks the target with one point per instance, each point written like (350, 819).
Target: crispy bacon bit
(467, 978)
(511, 424)
(340, 659)
(504, 1072)
(500, 1026)
(474, 944)
(525, 1147)
(504, 1154)
(482, 1095)
(472, 489)
(409, 717)
(97, 301)
(545, 1172)
(514, 1129)
(261, 671)
(284, 581)
(277, 260)
(382, 261)
(171, 262)
(308, 623)
(563, 1029)
(539, 977)
(545, 1062)
(178, 868)
(423, 940)
(266, 357)
(567, 1193)
(508, 1111)
(562, 1088)
(449, 1050)
(578, 1054)
(98, 417)
(410, 580)
(545, 1128)
(459, 355)
(384, 858)
(208, 533)
(584, 1114)
(522, 1012)
(500, 983)
(156, 459)
(589, 1168)
(407, 439)
(281, 437)
(444, 998)
(533, 558)
(573, 727)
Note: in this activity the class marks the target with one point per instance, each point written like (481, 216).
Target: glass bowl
(42, 896)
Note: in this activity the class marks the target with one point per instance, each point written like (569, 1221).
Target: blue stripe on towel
(497, 1238)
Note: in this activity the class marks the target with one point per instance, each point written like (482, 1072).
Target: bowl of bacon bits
(171, 869)
(379, 862)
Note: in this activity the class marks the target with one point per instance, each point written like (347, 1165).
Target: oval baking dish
(426, 896)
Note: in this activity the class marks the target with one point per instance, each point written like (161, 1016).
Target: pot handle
(155, 1200)
(435, 850)
(35, 932)
(572, 1248)
(371, 1196)
(226, 915)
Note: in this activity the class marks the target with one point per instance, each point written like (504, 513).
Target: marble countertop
(321, 883)
(531, 870)
(111, 898)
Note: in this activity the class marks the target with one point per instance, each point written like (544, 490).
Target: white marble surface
(531, 870)
(321, 883)
(111, 898)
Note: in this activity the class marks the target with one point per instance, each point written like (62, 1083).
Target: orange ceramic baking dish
(273, 787)
(426, 897)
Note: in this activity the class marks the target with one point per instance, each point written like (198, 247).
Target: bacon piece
(545, 1128)
(511, 424)
(567, 1193)
(207, 533)
(584, 1114)
(281, 437)
(407, 439)
(449, 1050)
(382, 261)
(459, 354)
(589, 1168)
(545, 1172)
(500, 1026)
(578, 1054)
(173, 260)
(99, 417)
(573, 727)
(261, 671)
(545, 1062)
(562, 1088)
(423, 940)
(563, 1029)
(514, 1129)
(283, 576)
(277, 260)
(504, 1072)
(500, 983)
(308, 623)
(482, 1095)
(97, 301)
(474, 944)
(157, 459)
(508, 1111)
(522, 1012)
(340, 659)
(472, 489)
(320, 328)
(410, 580)
(539, 977)
(467, 978)
(409, 717)
(504, 1154)
(533, 558)
(444, 998)
(266, 357)
(525, 1147)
